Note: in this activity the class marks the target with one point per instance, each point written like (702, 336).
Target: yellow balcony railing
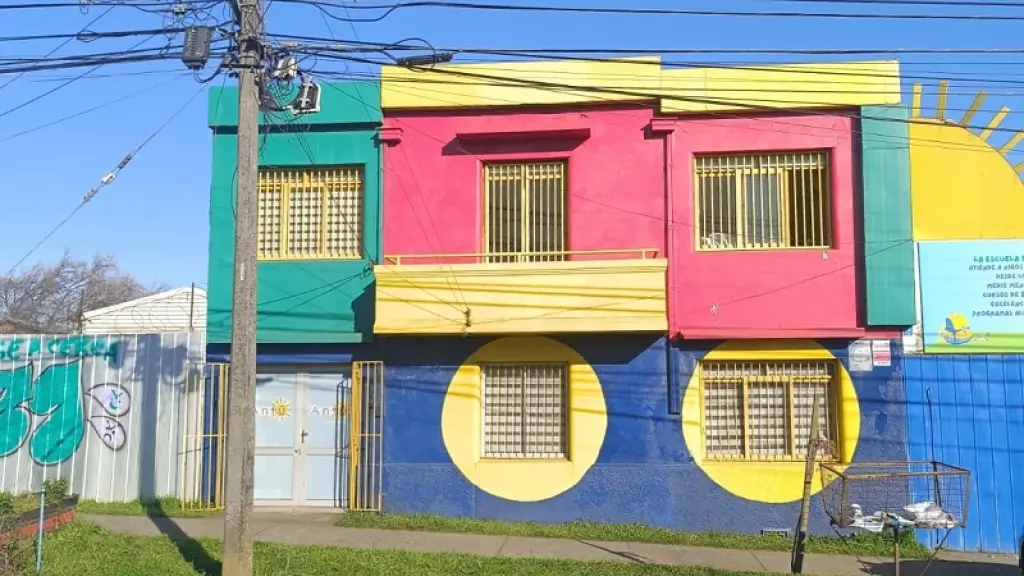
(523, 257)
(550, 292)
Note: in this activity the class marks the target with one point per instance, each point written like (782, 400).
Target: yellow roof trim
(410, 89)
(757, 88)
(680, 91)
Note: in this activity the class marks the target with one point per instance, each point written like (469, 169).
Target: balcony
(558, 292)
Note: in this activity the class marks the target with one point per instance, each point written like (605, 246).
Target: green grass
(83, 549)
(164, 507)
(860, 544)
(26, 502)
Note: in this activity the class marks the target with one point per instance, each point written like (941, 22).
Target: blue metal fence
(975, 420)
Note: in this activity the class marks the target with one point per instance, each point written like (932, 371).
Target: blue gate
(974, 419)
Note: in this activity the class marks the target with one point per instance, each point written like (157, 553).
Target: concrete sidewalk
(316, 529)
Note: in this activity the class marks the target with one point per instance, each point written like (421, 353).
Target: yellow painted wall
(551, 297)
(961, 187)
(405, 88)
(752, 88)
(844, 84)
(524, 480)
(769, 482)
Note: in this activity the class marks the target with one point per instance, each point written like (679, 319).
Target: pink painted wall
(763, 294)
(433, 197)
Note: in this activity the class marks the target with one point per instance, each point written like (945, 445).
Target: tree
(50, 298)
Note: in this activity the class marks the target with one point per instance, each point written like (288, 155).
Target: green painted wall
(888, 228)
(299, 302)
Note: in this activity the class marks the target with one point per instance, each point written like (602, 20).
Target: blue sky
(154, 216)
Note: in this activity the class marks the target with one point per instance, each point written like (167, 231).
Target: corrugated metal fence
(105, 411)
(977, 422)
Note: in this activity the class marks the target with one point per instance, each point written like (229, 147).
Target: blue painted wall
(644, 473)
(977, 419)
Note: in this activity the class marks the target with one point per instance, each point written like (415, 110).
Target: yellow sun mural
(963, 183)
(281, 409)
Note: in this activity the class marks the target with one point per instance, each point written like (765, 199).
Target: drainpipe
(670, 226)
(666, 128)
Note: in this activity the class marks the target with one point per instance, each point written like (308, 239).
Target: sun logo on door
(280, 409)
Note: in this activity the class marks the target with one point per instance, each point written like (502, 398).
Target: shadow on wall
(364, 307)
(160, 373)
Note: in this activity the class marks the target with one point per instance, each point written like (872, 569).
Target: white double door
(302, 436)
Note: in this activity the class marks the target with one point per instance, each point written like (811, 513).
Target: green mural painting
(49, 411)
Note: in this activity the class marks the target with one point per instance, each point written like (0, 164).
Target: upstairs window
(526, 216)
(313, 213)
(763, 201)
(525, 410)
(762, 410)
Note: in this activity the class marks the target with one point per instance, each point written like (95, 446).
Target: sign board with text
(972, 296)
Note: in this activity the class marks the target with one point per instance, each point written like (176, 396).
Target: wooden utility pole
(241, 425)
(797, 561)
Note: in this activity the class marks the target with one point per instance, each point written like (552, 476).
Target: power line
(392, 8)
(896, 140)
(347, 75)
(952, 3)
(62, 44)
(773, 120)
(105, 181)
(87, 110)
(106, 60)
(985, 83)
(66, 83)
(460, 296)
(166, 6)
(84, 35)
(803, 69)
(163, 71)
(167, 50)
(368, 46)
(538, 54)
(759, 105)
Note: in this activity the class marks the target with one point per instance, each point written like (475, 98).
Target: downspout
(666, 128)
(670, 226)
(670, 235)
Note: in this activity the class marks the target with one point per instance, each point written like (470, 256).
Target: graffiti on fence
(62, 347)
(49, 410)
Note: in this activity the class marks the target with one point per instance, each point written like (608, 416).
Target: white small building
(178, 310)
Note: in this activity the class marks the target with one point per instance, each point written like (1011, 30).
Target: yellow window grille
(310, 214)
(763, 201)
(526, 217)
(525, 410)
(762, 410)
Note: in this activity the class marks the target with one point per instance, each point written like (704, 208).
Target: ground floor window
(762, 410)
(525, 410)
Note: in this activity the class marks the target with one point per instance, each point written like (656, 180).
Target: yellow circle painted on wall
(767, 482)
(523, 480)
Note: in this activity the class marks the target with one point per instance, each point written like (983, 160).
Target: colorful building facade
(602, 291)
(625, 306)
(318, 237)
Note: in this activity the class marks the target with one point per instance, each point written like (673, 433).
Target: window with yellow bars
(526, 216)
(763, 201)
(525, 411)
(310, 213)
(762, 410)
